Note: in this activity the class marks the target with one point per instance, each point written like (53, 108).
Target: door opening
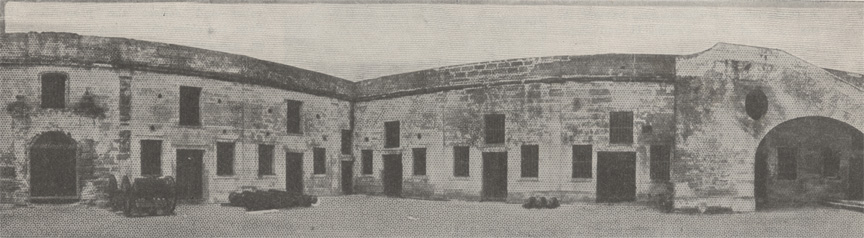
(616, 176)
(494, 176)
(392, 176)
(294, 172)
(190, 179)
(347, 177)
(53, 175)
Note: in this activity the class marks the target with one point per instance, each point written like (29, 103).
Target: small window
(530, 161)
(293, 116)
(582, 161)
(419, 161)
(265, 160)
(151, 157)
(461, 158)
(830, 162)
(391, 134)
(224, 158)
(494, 125)
(621, 127)
(54, 90)
(659, 163)
(787, 163)
(190, 110)
(346, 142)
(319, 161)
(367, 161)
(8, 173)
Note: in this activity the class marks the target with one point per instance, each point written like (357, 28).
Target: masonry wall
(717, 140)
(553, 114)
(23, 120)
(247, 115)
(230, 112)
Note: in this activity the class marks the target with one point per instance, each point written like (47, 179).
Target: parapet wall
(607, 67)
(67, 49)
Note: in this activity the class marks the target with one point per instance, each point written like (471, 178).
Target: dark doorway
(856, 178)
(616, 176)
(294, 172)
(190, 187)
(52, 167)
(392, 176)
(347, 177)
(494, 176)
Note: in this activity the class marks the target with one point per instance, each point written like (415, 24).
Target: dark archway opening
(53, 176)
(807, 160)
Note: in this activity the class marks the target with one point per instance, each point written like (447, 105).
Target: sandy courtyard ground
(379, 216)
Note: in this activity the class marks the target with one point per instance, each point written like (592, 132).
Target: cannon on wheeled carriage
(148, 195)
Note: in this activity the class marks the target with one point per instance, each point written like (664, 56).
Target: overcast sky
(357, 41)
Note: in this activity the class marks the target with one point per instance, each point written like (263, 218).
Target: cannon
(270, 199)
(148, 195)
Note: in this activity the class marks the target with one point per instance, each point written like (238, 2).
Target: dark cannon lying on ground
(541, 202)
(270, 199)
(148, 195)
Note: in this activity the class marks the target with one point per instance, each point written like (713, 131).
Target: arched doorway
(53, 167)
(806, 160)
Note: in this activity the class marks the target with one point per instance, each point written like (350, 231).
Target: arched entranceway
(53, 167)
(807, 160)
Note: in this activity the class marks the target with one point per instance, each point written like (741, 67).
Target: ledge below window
(226, 177)
(581, 180)
(529, 179)
(461, 178)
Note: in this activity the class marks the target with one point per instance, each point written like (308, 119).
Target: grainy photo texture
(431, 118)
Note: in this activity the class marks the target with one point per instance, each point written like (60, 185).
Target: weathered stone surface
(716, 139)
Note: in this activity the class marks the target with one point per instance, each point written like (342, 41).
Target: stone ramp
(854, 205)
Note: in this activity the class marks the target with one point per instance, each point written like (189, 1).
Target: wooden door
(616, 176)
(294, 172)
(392, 176)
(494, 176)
(190, 186)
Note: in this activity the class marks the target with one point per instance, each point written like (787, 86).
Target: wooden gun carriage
(148, 195)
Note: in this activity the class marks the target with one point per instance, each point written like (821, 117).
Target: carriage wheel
(131, 196)
(172, 195)
(128, 207)
(111, 189)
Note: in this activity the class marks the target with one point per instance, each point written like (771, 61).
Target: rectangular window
(190, 108)
(582, 157)
(461, 157)
(346, 142)
(621, 127)
(495, 131)
(319, 161)
(53, 90)
(830, 162)
(8, 173)
(659, 162)
(265, 160)
(225, 158)
(293, 116)
(787, 163)
(391, 134)
(419, 161)
(151, 157)
(367, 161)
(530, 161)
(125, 99)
